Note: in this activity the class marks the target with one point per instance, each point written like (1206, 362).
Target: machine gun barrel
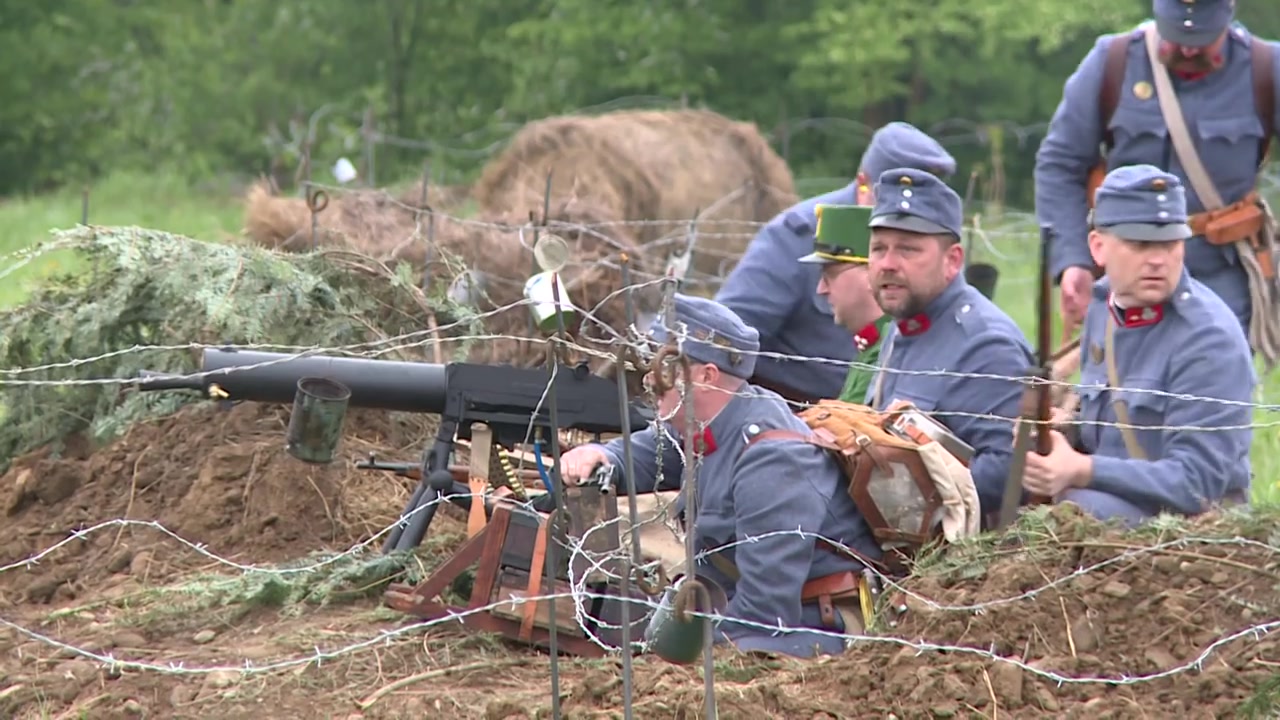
(505, 396)
(273, 378)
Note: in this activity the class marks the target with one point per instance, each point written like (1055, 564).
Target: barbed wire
(423, 339)
(579, 593)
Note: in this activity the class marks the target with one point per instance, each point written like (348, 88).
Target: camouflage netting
(144, 288)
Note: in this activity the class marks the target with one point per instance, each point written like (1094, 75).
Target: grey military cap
(916, 201)
(1194, 23)
(1143, 203)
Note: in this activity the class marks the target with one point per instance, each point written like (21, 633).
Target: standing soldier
(1166, 375)
(951, 351)
(840, 249)
(773, 293)
(1173, 94)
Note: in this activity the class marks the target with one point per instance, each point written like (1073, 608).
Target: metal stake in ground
(632, 560)
(553, 364)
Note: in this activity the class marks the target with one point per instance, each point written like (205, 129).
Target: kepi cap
(916, 201)
(900, 144)
(711, 333)
(1193, 23)
(1142, 203)
(842, 235)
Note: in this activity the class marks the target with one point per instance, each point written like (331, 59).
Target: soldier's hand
(1063, 468)
(1077, 284)
(577, 464)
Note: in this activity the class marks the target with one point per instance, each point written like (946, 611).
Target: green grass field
(164, 203)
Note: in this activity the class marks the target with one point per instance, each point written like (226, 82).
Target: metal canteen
(673, 633)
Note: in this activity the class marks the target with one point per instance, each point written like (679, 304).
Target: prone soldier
(1166, 374)
(950, 348)
(773, 293)
(1114, 97)
(772, 497)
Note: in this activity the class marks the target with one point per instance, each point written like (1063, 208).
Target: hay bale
(374, 222)
(645, 166)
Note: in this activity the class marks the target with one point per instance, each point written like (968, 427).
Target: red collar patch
(914, 325)
(866, 337)
(705, 443)
(1138, 316)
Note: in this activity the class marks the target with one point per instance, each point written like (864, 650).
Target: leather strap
(1177, 125)
(1112, 77)
(535, 581)
(1113, 379)
(1264, 92)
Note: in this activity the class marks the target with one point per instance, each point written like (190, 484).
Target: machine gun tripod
(492, 407)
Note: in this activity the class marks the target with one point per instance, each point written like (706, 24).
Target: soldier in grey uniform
(1210, 67)
(1160, 351)
(950, 349)
(777, 296)
(746, 490)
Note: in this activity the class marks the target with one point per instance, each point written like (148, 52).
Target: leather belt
(838, 593)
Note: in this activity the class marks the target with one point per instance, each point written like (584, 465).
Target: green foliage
(240, 86)
(143, 288)
(290, 589)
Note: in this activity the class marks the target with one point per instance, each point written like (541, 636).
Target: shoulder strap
(777, 434)
(1112, 76)
(1127, 434)
(1177, 126)
(1264, 92)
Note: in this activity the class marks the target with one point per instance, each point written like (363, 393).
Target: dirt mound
(389, 227)
(994, 630)
(645, 165)
(214, 477)
(1061, 618)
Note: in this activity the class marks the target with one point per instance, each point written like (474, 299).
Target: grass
(154, 201)
(164, 203)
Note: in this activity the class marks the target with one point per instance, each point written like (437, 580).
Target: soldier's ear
(953, 253)
(1098, 248)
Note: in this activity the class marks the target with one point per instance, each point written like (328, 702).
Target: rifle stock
(1037, 403)
(1042, 403)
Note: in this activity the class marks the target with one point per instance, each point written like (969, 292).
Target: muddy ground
(1025, 622)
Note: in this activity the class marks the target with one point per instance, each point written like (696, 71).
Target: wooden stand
(510, 554)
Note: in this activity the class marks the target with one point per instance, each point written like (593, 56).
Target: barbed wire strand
(578, 592)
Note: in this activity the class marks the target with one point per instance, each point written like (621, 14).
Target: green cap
(843, 235)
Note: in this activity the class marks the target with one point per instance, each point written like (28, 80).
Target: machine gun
(488, 405)
(509, 401)
(1037, 402)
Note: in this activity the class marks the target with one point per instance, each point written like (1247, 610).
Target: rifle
(511, 401)
(1037, 404)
